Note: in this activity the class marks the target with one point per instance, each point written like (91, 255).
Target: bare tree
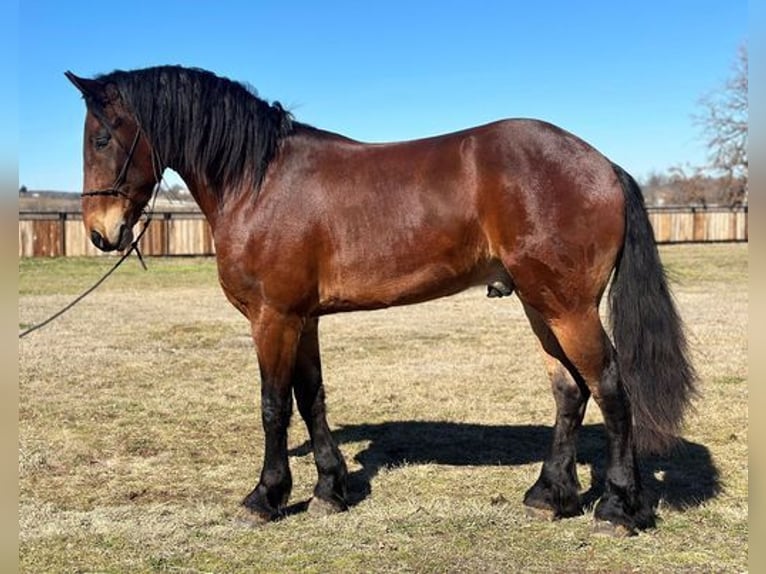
(724, 123)
(689, 187)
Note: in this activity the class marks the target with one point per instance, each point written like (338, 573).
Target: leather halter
(115, 190)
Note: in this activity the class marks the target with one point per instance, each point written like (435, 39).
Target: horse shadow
(684, 478)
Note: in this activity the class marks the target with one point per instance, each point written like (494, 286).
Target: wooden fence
(699, 224)
(55, 234)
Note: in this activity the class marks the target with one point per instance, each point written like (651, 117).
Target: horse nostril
(97, 240)
(126, 236)
(100, 242)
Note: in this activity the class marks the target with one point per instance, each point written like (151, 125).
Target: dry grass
(139, 434)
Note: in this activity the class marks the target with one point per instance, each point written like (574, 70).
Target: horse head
(120, 166)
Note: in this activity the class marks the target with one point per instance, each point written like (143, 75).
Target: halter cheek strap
(115, 190)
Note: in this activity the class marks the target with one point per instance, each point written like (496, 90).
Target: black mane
(201, 123)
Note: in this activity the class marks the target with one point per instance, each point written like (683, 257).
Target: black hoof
(547, 499)
(259, 507)
(624, 515)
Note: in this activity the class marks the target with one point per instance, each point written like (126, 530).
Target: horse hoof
(544, 514)
(252, 518)
(607, 528)
(322, 507)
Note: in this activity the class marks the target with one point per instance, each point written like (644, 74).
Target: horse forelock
(204, 124)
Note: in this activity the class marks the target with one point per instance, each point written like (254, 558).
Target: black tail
(648, 333)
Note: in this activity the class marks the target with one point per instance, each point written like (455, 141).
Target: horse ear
(88, 88)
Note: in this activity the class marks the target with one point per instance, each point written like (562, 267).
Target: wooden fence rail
(62, 233)
(55, 234)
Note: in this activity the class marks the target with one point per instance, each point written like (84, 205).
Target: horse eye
(102, 140)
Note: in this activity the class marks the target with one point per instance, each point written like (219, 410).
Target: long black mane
(204, 124)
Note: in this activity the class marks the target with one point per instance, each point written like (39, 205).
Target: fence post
(167, 216)
(747, 222)
(62, 232)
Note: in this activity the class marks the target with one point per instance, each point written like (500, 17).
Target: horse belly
(404, 274)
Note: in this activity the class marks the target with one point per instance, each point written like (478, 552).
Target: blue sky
(625, 76)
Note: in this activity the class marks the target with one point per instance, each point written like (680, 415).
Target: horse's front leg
(330, 490)
(276, 339)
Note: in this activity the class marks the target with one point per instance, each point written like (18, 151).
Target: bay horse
(307, 222)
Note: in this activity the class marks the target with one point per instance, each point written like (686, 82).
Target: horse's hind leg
(556, 492)
(622, 507)
(330, 490)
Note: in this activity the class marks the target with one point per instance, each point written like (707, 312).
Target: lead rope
(133, 247)
(157, 168)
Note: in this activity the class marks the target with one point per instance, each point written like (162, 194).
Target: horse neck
(209, 195)
(203, 193)
(204, 196)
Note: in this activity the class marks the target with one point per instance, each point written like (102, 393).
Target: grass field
(140, 433)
